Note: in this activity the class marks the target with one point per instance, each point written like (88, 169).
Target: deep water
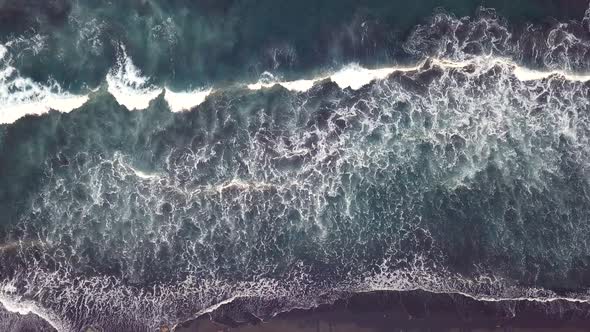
(159, 159)
(193, 43)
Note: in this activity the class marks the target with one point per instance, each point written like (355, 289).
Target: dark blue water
(160, 159)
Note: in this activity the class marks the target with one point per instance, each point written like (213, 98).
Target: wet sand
(406, 311)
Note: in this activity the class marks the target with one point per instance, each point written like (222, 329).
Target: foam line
(481, 297)
(22, 96)
(355, 77)
(183, 101)
(212, 308)
(299, 85)
(525, 74)
(10, 112)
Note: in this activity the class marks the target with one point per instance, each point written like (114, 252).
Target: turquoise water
(160, 159)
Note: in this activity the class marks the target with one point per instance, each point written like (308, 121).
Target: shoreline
(387, 310)
(377, 311)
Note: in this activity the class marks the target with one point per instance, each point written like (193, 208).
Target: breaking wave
(533, 54)
(464, 173)
(21, 96)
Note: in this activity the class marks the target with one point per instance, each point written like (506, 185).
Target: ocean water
(159, 159)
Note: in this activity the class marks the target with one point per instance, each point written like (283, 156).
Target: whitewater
(462, 171)
(132, 90)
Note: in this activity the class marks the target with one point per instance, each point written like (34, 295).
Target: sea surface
(164, 159)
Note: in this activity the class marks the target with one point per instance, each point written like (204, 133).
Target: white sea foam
(183, 184)
(268, 80)
(355, 77)
(183, 101)
(62, 103)
(350, 76)
(525, 74)
(476, 106)
(143, 175)
(17, 305)
(128, 86)
(3, 51)
(443, 283)
(21, 96)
